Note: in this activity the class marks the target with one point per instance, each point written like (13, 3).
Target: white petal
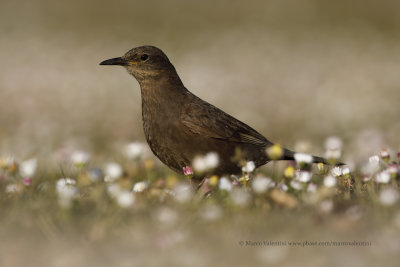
(329, 181)
(261, 184)
(112, 171)
(303, 158)
(388, 196)
(125, 199)
(135, 150)
(249, 167)
(225, 184)
(383, 177)
(140, 187)
(80, 157)
(28, 168)
(333, 143)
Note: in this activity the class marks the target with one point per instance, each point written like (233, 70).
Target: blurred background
(293, 70)
(296, 71)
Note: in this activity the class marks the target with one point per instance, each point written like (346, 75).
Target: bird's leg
(196, 184)
(203, 187)
(203, 182)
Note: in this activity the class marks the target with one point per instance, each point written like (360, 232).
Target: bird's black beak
(115, 61)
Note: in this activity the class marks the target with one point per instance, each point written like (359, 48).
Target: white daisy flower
(112, 171)
(333, 154)
(13, 188)
(140, 186)
(66, 191)
(345, 171)
(80, 158)
(249, 167)
(333, 143)
(183, 192)
(388, 196)
(224, 184)
(125, 199)
(303, 158)
(28, 168)
(382, 177)
(296, 185)
(330, 181)
(372, 166)
(206, 163)
(135, 150)
(303, 176)
(385, 155)
(260, 185)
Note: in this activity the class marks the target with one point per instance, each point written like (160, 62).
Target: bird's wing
(208, 121)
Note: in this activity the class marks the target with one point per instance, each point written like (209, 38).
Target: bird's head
(143, 62)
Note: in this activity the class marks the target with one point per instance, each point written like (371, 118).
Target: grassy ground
(136, 212)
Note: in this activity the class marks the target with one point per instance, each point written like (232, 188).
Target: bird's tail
(289, 155)
(320, 160)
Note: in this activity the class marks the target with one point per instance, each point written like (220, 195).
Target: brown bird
(178, 125)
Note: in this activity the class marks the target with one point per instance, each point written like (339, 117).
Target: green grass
(163, 226)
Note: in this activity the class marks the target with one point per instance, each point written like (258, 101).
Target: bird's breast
(161, 128)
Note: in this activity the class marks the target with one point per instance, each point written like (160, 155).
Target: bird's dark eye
(144, 57)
